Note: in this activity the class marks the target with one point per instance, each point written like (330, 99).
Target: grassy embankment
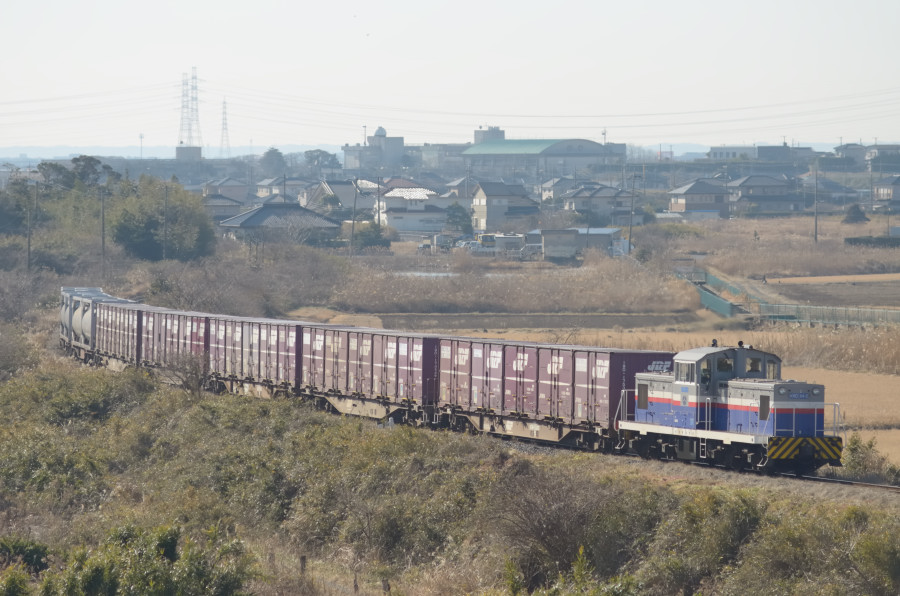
(97, 460)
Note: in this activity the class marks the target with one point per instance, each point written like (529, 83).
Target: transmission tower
(190, 113)
(224, 144)
(195, 107)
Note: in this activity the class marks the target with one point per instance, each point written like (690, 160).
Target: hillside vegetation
(112, 483)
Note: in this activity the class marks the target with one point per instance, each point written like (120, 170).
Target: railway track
(887, 487)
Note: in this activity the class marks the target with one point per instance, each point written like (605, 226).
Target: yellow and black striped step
(826, 448)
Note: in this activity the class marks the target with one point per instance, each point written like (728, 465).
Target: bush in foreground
(154, 561)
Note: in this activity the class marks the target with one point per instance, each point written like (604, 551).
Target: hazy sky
(102, 72)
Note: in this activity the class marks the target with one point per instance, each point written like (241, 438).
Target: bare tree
(188, 371)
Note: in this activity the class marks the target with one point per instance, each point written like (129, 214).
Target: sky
(647, 73)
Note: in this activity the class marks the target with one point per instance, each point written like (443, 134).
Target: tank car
(729, 406)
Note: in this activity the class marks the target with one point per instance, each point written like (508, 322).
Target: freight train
(724, 406)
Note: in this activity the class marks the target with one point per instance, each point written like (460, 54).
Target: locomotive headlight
(782, 391)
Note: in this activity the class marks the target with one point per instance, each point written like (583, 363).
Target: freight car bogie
(549, 432)
(215, 384)
(519, 428)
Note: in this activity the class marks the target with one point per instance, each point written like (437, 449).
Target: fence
(798, 313)
(829, 315)
(717, 304)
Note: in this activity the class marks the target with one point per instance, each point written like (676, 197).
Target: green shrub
(154, 561)
(862, 461)
(705, 533)
(60, 397)
(546, 516)
(819, 549)
(31, 554)
(14, 581)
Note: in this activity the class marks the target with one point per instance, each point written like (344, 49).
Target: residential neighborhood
(521, 187)
(497, 185)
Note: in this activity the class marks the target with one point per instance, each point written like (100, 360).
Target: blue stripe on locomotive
(665, 413)
(732, 417)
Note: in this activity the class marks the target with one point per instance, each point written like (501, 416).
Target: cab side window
(705, 371)
(684, 372)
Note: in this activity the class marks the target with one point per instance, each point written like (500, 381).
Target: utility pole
(816, 205)
(33, 208)
(631, 218)
(165, 221)
(102, 235)
(353, 216)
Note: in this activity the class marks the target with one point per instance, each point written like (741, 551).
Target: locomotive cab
(696, 392)
(715, 367)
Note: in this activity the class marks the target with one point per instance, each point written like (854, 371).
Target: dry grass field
(779, 248)
(484, 285)
(871, 291)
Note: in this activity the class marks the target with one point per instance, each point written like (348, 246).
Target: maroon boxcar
(324, 357)
(418, 366)
(335, 358)
(356, 371)
(153, 330)
(370, 372)
(601, 376)
(231, 350)
(486, 374)
(312, 357)
(118, 331)
(456, 374)
(556, 373)
(520, 364)
(261, 354)
(276, 346)
(398, 366)
(178, 334)
(554, 393)
(220, 331)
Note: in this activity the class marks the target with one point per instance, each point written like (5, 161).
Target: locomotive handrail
(835, 428)
(618, 417)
